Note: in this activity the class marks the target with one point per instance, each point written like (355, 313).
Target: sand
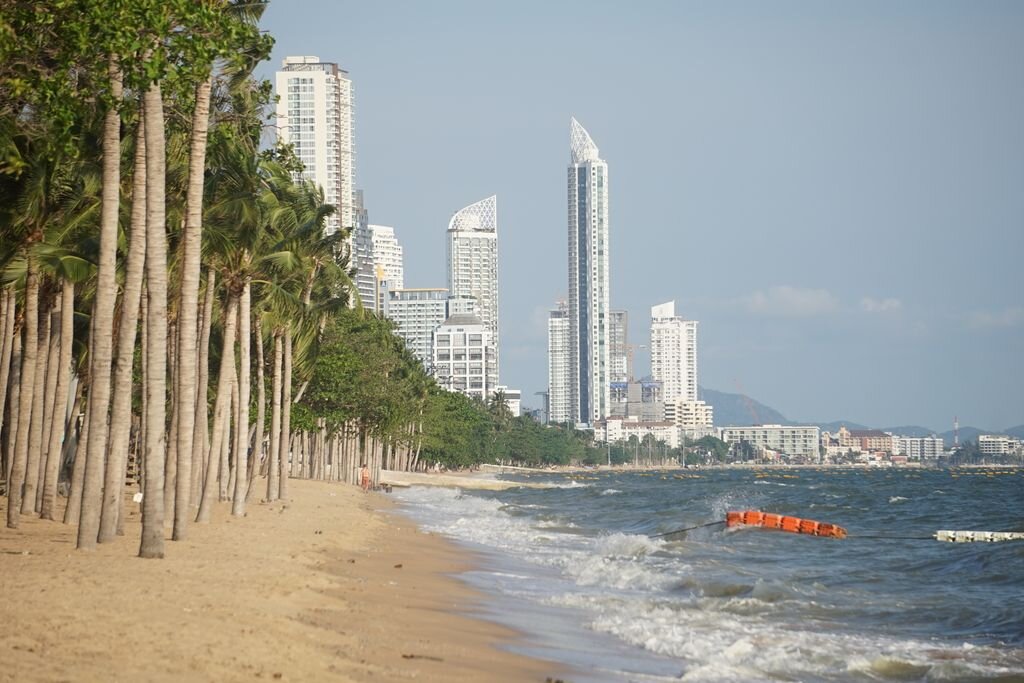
(327, 586)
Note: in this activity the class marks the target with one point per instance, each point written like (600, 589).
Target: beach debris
(398, 566)
(432, 658)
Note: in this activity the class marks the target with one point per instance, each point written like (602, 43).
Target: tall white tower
(558, 364)
(314, 114)
(588, 280)
(674, 353)
(473, 263)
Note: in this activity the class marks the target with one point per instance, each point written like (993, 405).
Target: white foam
(609, 492)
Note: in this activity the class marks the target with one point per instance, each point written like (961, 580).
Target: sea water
(573, 568)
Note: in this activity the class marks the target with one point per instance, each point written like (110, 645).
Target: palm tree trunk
(224, 476)
(286, 413)
(53, 402)
(101, 341)
(29, 349)
(13, 405)
(201, 426)
(58, 431)
(7, 301)
(221, 407)
(74, 508)
(242, 426)
(261, 411)
(274, 471)
(28, 501)
(121, 413)
(152, 544)
(188, 309)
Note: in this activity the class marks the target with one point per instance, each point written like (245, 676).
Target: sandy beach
(330, 585)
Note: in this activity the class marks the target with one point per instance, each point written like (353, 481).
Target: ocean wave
(609, 492)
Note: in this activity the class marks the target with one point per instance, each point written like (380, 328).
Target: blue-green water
(574, 569)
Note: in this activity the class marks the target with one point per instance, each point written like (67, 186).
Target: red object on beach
(794, 525)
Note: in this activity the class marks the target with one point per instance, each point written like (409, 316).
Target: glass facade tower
(589, 314)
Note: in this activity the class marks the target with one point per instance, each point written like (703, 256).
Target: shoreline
(331, 585)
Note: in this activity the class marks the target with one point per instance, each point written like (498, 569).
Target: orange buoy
(794, 525)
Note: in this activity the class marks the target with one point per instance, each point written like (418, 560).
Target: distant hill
(834, 426)
(1017, 431)
(910, 430)
(734, 410)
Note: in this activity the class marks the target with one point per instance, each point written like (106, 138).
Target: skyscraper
(589, 359)
(314, 114)
(473, 263)
(558, 364)
(674, 353)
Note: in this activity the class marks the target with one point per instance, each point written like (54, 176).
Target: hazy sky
(834, 190)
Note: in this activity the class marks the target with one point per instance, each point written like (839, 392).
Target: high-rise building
(620, 358)
(386, 257)
(361, 256)
(557, 399)
(674, 353)
(416, 313)
(588, 280)
(473, 261)
(314, 114)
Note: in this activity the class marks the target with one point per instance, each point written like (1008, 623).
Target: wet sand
(329, 586)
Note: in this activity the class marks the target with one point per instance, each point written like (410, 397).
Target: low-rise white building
(998, 444)
(918, 447)
(513, 399)
(463, 357)
(617, 429)
(795, 441)
(694, 418)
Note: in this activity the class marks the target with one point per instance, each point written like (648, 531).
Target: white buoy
(978, 536)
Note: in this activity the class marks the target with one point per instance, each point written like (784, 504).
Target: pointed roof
(582, 145)
(480, 217)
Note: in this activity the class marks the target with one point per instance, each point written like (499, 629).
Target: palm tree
(101, 340)
(120, 415)
(152, 545)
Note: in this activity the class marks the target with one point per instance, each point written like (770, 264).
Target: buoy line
(810, 527)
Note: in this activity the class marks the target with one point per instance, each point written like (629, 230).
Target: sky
(835, 191)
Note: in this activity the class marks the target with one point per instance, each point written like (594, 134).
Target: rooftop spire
(583, 147)
(481, 216)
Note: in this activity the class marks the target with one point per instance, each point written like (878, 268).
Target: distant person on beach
(364, 477)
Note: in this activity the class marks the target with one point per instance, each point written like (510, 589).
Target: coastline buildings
(796, 442)
(998, 444)
(314, 114)
(462, 359)
(557, 404)
(674, 353)
(588, 280)
(473, 263)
